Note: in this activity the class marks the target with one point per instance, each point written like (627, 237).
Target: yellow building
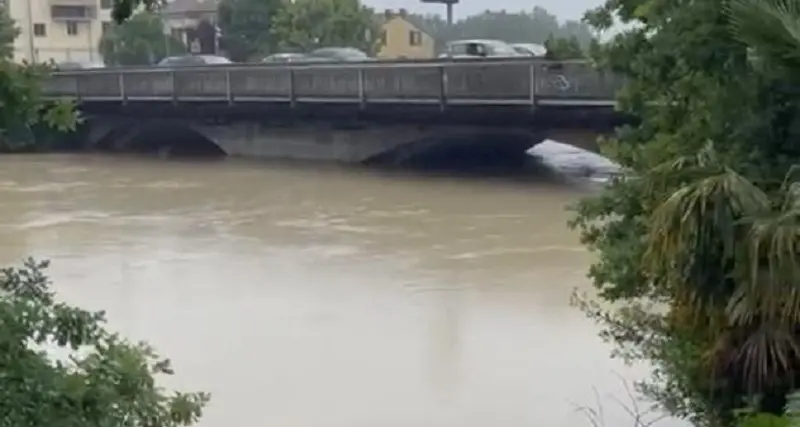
(403, 40)
(59, 30)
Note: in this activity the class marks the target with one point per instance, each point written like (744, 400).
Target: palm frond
(770, 27)
(712, 206)
(767, 354)
(771, 287)
(697, 230)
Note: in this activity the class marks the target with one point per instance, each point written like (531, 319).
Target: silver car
(285, 57)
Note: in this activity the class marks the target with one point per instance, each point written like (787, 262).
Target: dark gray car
(78, 65)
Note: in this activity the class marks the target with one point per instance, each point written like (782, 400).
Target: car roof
(527, 44)
(489, 41)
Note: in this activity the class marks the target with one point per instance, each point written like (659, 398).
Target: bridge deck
(441, 84)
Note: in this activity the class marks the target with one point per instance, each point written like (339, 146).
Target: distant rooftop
(389, 14)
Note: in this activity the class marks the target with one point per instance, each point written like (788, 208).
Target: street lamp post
(449, 13)
(29, 24)
(449, 4)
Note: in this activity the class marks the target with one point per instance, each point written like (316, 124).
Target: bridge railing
(511, 82)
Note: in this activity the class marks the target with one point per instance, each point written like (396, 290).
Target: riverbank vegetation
(709, 231)
(139, 40)
(60, 364)
(95, 377)
(21, 103)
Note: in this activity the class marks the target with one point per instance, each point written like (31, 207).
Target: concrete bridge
(358, 112)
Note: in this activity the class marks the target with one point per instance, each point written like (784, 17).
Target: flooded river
(320, 297)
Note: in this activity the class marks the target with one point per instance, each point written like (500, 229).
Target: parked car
(286, 57)
(193, 60)
(479, 49)
(78, 65)
(530, 49)
(338, 54)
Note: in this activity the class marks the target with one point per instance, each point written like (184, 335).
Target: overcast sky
(564, 9)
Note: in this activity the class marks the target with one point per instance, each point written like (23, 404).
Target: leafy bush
(104, 380)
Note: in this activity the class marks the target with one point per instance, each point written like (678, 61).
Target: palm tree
(727, 252)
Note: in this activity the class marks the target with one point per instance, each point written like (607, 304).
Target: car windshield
(460, 48)
(69, 66)
(189, 60)
(211, 59)
(466, 48)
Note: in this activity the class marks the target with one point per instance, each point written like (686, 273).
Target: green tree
(124, 9)
(689, 243)
(104, 381)
(138, 41)
(535, 26)
(309, 24)
(21, 103)
(246, 27)
(564, 48)
(8, 33)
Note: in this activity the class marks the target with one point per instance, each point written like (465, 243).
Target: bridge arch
(487, 150)
(166, 138)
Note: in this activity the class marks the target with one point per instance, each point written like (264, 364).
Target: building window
(106, 26)
(384, 38)
(415, 38)
(106, 4)
(39, 30)
(72, 28)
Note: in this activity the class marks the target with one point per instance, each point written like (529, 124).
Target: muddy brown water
(325, 297)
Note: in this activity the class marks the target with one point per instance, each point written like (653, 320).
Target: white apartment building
(59, 30)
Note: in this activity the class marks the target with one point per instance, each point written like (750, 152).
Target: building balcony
(73, 10)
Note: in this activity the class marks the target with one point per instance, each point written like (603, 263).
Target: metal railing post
(292, 89)
(442, 87)
(362, 93)
(77, 78)
(532, 84)
(228, 91)
(121, 82)
(174, 86)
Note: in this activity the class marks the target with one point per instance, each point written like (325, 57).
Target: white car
(530, 49)
(479, 48)
(193, 60)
